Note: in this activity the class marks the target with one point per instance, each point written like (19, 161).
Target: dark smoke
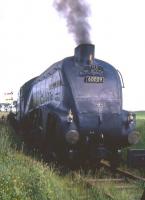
(76, 13)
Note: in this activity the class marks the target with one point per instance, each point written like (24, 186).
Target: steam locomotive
(73, 110)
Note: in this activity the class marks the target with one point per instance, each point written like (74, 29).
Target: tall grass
(24, 178)
(5, 143)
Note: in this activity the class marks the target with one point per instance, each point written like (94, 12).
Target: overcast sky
(33, 36)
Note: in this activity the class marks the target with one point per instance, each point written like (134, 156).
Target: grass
(23, 177)
(140, 115)
(140, 127)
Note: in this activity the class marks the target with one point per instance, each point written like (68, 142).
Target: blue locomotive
(73, 110)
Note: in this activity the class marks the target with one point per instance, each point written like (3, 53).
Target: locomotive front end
(96, 106)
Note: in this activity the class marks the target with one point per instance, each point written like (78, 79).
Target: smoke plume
(76, 13)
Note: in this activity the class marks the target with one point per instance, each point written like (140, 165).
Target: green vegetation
(140, 115)
(140, 124)
(23, 177)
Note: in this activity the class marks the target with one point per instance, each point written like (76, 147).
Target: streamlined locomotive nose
(96, 91)
(80, 98)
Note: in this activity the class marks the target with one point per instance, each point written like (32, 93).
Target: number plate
(94, 79)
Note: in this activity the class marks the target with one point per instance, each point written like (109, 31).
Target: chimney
(84, 54)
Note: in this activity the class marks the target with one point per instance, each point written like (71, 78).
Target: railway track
(124, 180)
(117, 184)
(124, 173)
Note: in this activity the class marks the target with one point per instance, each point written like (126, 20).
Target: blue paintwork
(96, 107)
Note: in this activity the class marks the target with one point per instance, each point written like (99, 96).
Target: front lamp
(133, 138)
(72, 136)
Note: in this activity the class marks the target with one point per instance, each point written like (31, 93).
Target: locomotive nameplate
(94, 79)
(91, 70)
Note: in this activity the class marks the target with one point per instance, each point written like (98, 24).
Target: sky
(33, 36)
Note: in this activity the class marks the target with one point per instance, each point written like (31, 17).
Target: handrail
(121, 78)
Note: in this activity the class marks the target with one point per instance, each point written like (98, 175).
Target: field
(140, 116)
(27, 177)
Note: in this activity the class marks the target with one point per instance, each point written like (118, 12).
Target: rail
(122, 183)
